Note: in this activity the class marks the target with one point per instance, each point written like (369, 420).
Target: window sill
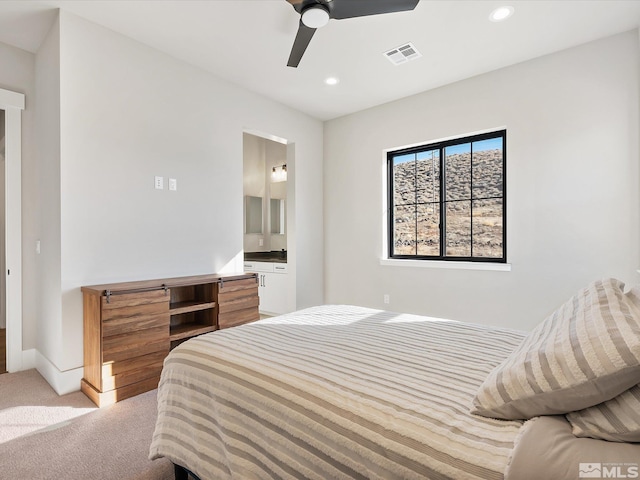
(502, 267)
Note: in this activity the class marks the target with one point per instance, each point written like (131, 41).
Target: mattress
(335, 392)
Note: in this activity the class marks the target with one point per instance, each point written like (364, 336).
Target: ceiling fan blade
(360, 8)
(300, 44)
(298, 5)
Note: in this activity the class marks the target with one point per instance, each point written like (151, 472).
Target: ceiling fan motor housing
(315, 16)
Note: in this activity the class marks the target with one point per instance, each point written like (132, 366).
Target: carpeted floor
(107, 444)
(29, 404)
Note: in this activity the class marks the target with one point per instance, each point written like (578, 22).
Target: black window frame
(441, 145)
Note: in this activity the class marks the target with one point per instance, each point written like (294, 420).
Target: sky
(490, 144)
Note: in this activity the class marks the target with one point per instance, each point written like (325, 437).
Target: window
(447, 200)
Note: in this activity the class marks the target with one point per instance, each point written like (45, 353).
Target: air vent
(402, 54)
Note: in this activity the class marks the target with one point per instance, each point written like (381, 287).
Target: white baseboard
(29, 359)
(61, 382)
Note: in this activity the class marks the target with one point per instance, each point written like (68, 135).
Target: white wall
(572, 186)
(46, 281)
(128, 113)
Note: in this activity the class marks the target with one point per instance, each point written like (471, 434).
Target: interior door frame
(13, 104)
(290, 213)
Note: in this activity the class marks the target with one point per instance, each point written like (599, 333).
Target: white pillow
(616, 420)
(585, 353)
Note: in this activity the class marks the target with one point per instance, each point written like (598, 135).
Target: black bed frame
(182, 473)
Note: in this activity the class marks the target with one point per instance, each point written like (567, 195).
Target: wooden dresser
(130, 327)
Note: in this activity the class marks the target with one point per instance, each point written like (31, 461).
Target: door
(3, 317)
(12, 104)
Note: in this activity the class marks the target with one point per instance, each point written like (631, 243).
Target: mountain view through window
(448, 200)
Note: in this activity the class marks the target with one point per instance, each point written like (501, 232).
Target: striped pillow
(586, 352)
(617, 420)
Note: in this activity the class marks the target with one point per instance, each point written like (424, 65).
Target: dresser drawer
(238, 317)
(229, 286)
(237, 294)
(132, 312)
(151, 299)
(133, 325)
(129, 345)
(238, 299)
(131, 377)
(132, 370)
(238, 302)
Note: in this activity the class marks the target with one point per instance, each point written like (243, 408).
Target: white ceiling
(247, 42)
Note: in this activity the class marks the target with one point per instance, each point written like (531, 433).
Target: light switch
(37, 246)
(159, 183)
(173, 184)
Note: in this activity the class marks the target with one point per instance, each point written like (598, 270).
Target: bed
(352, 392)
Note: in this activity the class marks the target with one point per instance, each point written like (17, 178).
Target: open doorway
(3, 312)
(12, 104)
(269, 219)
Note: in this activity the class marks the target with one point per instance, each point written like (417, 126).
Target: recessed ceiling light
(501, 13)
(332, 80)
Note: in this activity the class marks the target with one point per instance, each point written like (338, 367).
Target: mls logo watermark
(608, 470)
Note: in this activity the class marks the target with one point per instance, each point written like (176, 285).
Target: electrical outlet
(385, 298)
(173, 184)
(159, 183)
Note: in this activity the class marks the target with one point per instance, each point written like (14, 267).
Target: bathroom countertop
(274, 256)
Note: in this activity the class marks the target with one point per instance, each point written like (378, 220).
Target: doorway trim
(13, 103)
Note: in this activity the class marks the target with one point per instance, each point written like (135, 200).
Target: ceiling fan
(316, 13)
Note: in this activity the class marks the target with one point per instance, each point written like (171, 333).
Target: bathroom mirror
(277, 216)
(253, 214)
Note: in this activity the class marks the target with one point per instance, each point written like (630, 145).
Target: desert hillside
(473, 205)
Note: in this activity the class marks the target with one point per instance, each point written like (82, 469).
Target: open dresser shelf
(192, 311)
(188, 307)
(189, 330)
(130, 327)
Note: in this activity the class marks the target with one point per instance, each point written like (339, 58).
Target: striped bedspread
(335, 392)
